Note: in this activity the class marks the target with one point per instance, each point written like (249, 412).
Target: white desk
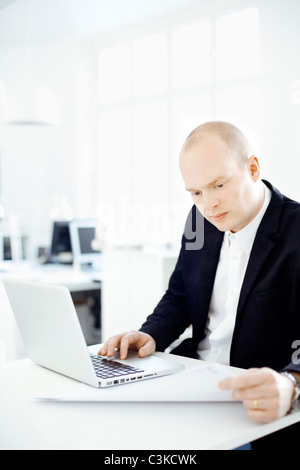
(29, 424)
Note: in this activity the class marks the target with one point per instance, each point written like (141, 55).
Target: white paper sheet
(197, 384)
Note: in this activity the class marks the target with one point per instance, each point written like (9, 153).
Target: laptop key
(108, 368)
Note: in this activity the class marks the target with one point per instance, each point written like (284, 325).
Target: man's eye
(197, 193)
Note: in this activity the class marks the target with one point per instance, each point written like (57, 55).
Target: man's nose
(210, 202)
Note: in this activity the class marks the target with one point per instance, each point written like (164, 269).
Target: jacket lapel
(259, 254)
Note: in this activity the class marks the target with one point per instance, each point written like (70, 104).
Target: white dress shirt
(233, 261)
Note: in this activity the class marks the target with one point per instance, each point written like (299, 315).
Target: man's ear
(254, 167)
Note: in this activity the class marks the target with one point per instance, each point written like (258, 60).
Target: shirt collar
(244, 238)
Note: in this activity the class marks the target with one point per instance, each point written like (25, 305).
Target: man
(241, 290)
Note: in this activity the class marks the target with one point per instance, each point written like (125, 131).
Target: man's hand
(131, 340)
(265, 393)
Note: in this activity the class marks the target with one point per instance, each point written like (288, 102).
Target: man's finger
(128, 340)
(108, 348)
(103, 350)
(113, 344)
(147, 349)
(251, 378)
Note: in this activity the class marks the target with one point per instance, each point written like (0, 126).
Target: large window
(154, 88)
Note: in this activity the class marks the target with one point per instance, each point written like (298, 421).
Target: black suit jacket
(268, 314)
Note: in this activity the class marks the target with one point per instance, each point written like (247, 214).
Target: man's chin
(222, 225)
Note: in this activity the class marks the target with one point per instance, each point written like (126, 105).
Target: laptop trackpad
(150, 363)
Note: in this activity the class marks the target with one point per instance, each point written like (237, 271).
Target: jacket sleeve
(170, 318)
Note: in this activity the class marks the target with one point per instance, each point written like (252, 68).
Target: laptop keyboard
(108, 368)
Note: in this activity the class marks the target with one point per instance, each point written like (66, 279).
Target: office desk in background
(26, 423)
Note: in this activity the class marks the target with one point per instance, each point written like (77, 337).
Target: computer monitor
(8, 249)
(61, 248)
(83, 233)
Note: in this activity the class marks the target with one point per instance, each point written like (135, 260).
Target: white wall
(280, 47)
(41, 164)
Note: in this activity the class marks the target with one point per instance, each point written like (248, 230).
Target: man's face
(222, 188)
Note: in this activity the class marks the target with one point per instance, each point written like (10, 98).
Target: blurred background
(97, 97)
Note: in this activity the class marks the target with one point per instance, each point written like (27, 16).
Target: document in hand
(197, 384)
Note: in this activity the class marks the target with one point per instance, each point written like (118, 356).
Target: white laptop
(52, 335)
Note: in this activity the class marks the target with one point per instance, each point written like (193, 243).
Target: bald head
(225, 132)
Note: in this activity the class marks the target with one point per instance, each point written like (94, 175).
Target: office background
(126, 81)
